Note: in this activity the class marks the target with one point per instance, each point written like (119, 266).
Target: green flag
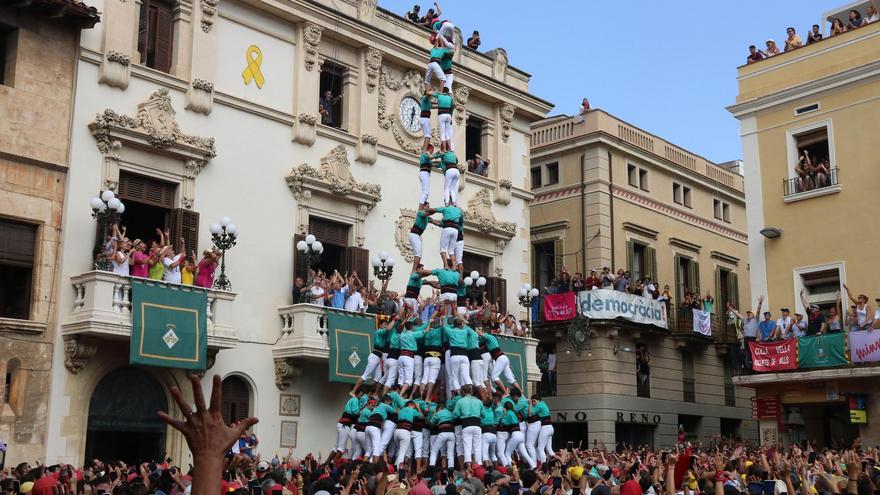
(821, 351)
(515, 349)
(350, 338)
(168, 325)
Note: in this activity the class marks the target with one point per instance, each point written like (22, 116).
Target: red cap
(502, 470)
(479, 472)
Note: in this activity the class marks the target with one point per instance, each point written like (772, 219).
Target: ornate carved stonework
(77, 353)
(503, 193)
(373, 62)
(200, 96)
(305, 129)
(366, 150)
(366, 10)
(460, 97)
(507, 111)
(499, 64)
(209, 10)
(116, 69)
(285, 371)
(479, 213)
(118, 57)
(401, 233)
(409, 84)
(312, 37)
(334, 174)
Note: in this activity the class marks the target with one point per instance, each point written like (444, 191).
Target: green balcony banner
(821, 351)
(350, 338)
(168, 325)
(515, 349)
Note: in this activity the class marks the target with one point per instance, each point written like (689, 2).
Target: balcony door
(149, 204)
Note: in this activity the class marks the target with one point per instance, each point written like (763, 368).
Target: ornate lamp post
(527, 294)
(106, 209)
(383, 266)
(224, 235)
(475, 284)
(311, 248)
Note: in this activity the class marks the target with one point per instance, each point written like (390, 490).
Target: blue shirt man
(766, 327)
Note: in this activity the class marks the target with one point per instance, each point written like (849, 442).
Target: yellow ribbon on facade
(252, 72)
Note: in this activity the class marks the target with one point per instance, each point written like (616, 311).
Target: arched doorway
(123, 423)
(236, 399)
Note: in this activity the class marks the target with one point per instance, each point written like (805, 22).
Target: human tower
(433, 385)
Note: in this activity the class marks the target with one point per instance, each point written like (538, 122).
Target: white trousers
(434, 71)
(501, 439)
(425, 182)
(417, 369)
(490, 440)
(459, 371)
(403, 439)
(444, 439)
(431, 370)
(425, 444)
(373, 370)
(426, 126)
(388, 428)
(502, 366)
(532, 438)
(390, 376)
(459, 446)
(448, 82)
(374, 441)
(450, 193)
(343, 433)
(545, 443)
(444, 121)
(517, 444)
(411, 303)
(471, 439)
(477, 373)
(487, 367)
(360, 445)
(447, 242)
(405, 367)
(459, 252)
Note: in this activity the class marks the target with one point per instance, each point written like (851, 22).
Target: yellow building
(608, 194)
(810, 223)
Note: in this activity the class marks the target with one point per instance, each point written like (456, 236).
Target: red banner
(560, 306)
(774, 356)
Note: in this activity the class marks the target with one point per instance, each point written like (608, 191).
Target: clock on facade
(409, 114)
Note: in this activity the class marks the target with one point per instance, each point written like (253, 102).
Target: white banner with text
(605, 304)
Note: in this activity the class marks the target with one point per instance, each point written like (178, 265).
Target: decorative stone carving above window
(312, 37)
(479, 216)
(209, 10)
(154, 128)
(460, 97)
(507, 111)
(391, 89)
(366, 10)
(373, 62)
(499, 63)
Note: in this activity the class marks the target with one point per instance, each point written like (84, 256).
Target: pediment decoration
(154, 128)
(479, 216)
(390, 87)
(333, 176)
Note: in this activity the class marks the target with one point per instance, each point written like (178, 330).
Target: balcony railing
(799, 185)
(102, 308)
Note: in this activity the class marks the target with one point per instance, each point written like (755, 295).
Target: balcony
(794, 190)
(102, 310)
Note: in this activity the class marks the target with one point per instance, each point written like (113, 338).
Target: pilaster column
(119, 49)
(200, 95)
(368, 109)
(307, 82)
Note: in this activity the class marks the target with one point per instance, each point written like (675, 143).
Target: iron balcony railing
(809, 183)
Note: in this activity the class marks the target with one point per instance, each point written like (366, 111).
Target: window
(716, 207)
(476, 262)
(721, 210)
(821, 286)
(473, 137)
(632, 174)
(643, 179)
(17, 254)
(811, 159)
(337, 255)
(330, 97)
(686, 196)
(687, 378)
(552, 173)
(13, 387)
(156, 34)
(7, 54)
(643, 371)
(544, 262)
(642, 260)
(676, 193)
(687, 278)
(236, 399)
(806, 109)
(725, 212)
(536, 177)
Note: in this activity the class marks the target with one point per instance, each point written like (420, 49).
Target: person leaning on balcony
(820, 172)
(837, 27)
(802, 170)
(139, 257)
(766, 327)
(772, 49)
(749, 330)
(793, 41)
(783, 325)
(832, 322)
(172, 262)
(814, 35)
(755, 55)
(863, 316)
(798, 327)
(855, 20)
(871, 13)
(207, 265)
(814, 316)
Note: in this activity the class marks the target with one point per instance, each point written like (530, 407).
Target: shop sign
(643, 418)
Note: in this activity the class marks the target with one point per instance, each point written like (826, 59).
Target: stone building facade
(37, 80)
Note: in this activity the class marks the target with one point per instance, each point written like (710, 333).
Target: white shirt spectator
(316, 294)
(120, 264)
(355, 302)
(798, 329)
(648, 290)
(750, 327)
(551, 361)
(783, 323)
(171, 274)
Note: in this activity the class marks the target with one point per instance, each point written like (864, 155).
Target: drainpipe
(611, 207)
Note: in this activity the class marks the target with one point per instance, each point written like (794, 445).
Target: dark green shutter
(630, 262)
(651, 263)
(717, 294)
(678, 281)
(693, 282)
(733, 289)
(558, 253)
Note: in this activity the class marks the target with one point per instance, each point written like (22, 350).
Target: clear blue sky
(668, 67)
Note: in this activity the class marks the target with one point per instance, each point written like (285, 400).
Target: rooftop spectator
(585, 106)
(431, 17)
(855, 20)
(413, 15)
(871, 14)
(837, 27)
(793, 41)
(772, 49)
(755, 55)
(474, 41)
(814, 35)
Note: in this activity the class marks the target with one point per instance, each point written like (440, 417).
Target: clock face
(409, 114)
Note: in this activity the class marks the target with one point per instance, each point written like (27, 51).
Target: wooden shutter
(17, 243)
(164, 37)
(496, 287)
(733, 289)
(185, 224)
(678, 282)
(651, 263)
(143, 24)
(143, 189)
(476, 262)
(717, 294)
(357, 260)
(694, 276)
(630, 261)
(558, 253)
(236, 399)
(329, 232)
(300, 267)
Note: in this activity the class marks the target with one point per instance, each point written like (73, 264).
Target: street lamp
(224, 235)
(383, 266)
(527, 293)
(311, 248)
(475, 283)
(106, 209)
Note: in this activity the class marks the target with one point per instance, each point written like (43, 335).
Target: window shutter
(694, 276)
(733, 289)
(142, 31)
(185, 224)
(496, 287)
(300, 267)
(717, 294)
(678, 281)
(236, 399)
(143, 189)
(17, 243)
(357, 260)
(558, 253)
(164, 37)
(329, 232)
(476, 262)
(651, 261)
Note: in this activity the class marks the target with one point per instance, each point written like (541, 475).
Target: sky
(668, 67)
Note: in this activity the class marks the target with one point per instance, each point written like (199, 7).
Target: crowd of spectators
(793, 40)
(159, 258)
(432, 16)
(812, 172)
(621, 281)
